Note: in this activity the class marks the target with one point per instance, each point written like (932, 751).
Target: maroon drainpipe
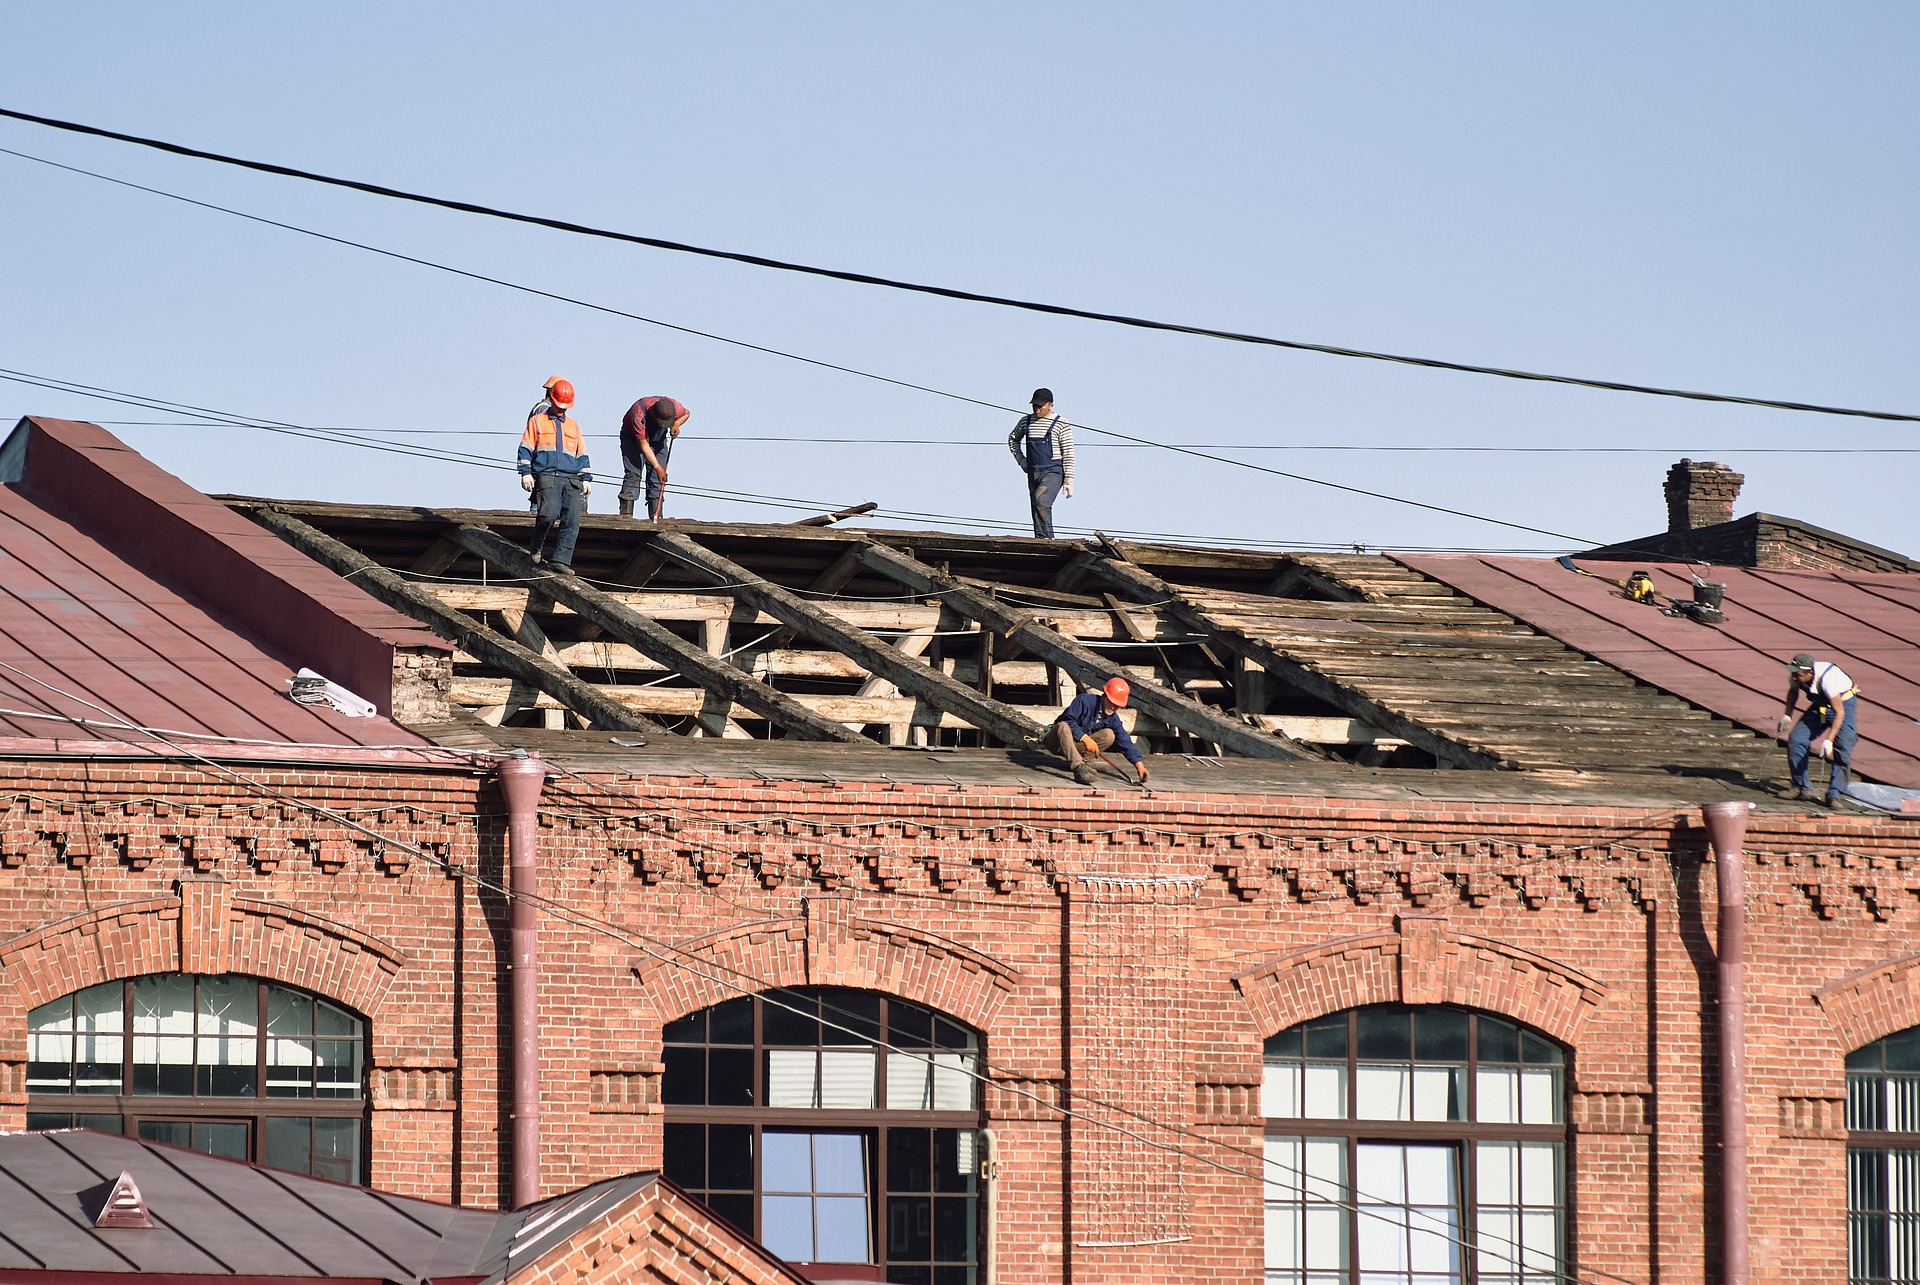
(521, 779)
(1726, 829)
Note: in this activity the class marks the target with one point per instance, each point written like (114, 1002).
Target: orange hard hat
(1117, 691)
(560, 392)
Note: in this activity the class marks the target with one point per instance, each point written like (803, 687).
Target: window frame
(1460, 1136)
(134, 1108)
(1877, 1145)
(874, 1123)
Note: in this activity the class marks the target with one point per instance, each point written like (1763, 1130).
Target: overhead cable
(811, 361)
(945, 292)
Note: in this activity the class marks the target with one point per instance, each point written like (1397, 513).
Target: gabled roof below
(1864, 622)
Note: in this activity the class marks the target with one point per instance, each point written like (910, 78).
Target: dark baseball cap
(664, 412)
(1802, 661)
(1041, 396)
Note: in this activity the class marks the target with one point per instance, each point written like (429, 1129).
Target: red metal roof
(86, 635)
(1865, 622)
(128, 598)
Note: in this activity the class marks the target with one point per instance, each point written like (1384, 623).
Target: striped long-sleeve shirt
(1043, 445)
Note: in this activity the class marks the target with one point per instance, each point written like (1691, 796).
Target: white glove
(586, 488)
(526, 483)
(1781, 730)
(1067, 491)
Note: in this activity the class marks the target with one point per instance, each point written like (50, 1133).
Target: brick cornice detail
(1424, 962)
(1874, 1002)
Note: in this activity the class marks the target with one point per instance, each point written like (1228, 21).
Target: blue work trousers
(1812, 724)
(559, 500)
(640, 475)
(1044, 488)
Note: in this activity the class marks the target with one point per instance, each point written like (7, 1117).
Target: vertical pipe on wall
(1726, 830)
(521, 780)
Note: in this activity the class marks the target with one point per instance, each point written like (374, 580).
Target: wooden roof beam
(653, 639)
(1002, 722)
(456, 627)
(1086, 666)
(1147, 587)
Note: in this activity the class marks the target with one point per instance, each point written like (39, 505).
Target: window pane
(228, 1006)
(1439, 1092)
(1305, 1218)
(1902, 1050)
(952, 1035)
(1521, 1211)
(840, 1162)
(909, 1025)
(1440, 1035)
(99, 1123)
(1497, 1095)
(1499, 1041)
(1410, 1219)
(46, 1121)
(336, 1022)
(684, 1155)
(909, 1081)
(49, 1061)
(691, 1029)
(1385, 1033)
(955, 1235)
(1280, 1090)
(909, 1228)
(909, 1160)
(730, 1159)
(735, 1208)
(956, 1086)
(731, 1022)
(220, 1138)
(163, 1021)
(290, 1066)
(1539, 1092)
(793, 1078)
(847, 1079)
(841, 1233)
(289, 1013)
(955, 1165)
(1382, 1093)
(730, 1077)
(787, 1226)
(850, 1017)
(226, 1068)
(1326, 1037)
(337, 1068)
(287, 1143)
(173, 1133)
(1326, 1092)
(787, 1017)
(786, 1162)
(336, 1149)
(99, 1022)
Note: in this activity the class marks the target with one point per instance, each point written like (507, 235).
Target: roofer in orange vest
(554, 471)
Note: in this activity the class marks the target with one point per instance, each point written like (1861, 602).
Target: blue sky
(1711, 196)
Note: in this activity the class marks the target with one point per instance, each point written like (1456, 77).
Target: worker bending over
(554, 471)
(646, 436)
(1089, 725)
(1828, 728)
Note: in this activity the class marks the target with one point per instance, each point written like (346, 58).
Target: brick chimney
(1700, 494)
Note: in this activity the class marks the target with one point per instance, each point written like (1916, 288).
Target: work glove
(1141, 768)
(1824, 749)
(1090, 745)
(526, 483)
(1066, 491)
(586, 489)
(1786, 720)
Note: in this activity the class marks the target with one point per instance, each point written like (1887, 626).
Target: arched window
(1883, 1161)
(233, 1066)
(1414, 1146)
(834, 1126)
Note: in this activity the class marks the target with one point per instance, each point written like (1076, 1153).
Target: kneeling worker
(1090, 725)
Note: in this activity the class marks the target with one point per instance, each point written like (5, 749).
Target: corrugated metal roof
(219, 1217)
(87, 635)
(1863, 621)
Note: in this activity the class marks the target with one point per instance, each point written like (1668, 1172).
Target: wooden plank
(654, 639)
(456, 627)
(882, 659)
(1280, 666)
(1088, 667)
(436, 557)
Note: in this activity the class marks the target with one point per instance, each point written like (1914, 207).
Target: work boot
(1083, 774)
(626, 508)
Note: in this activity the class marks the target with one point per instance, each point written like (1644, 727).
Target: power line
(342, 437)
(812, 440)
(812, 361)
(945, 292)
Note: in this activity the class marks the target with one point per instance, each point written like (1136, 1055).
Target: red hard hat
(1117, 691)
(560, 392)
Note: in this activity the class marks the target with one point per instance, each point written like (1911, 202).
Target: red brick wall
(1130, 951)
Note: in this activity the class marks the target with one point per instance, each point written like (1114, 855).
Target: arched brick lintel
(829, 946)
(1423, 962)
(200, 930)
(1873, 1003)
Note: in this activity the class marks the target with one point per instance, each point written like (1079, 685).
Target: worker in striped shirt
(1043, 444)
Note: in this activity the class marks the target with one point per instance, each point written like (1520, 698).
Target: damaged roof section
(936, 640)
(1865, 622)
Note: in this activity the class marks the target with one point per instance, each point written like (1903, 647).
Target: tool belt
(1829, 709)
